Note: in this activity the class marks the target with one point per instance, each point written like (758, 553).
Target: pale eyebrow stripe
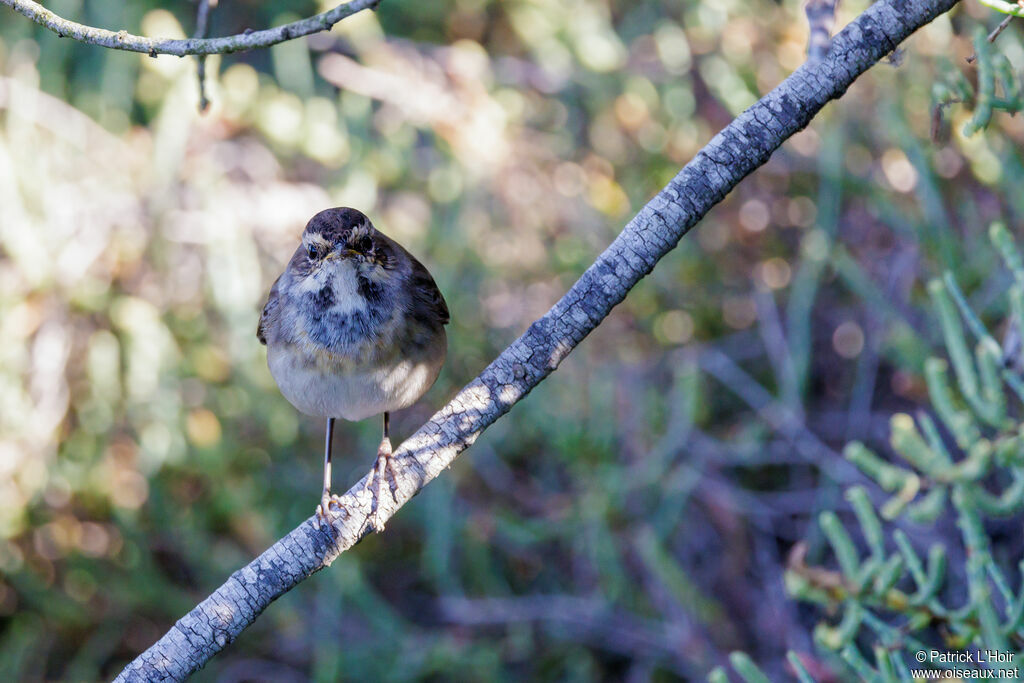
(316, 238)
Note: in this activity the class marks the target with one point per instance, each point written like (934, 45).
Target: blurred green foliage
(908, 612)
(631, 517)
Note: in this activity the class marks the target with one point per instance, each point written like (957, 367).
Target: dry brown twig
(180, 47)
(198, 45)
(202, 21)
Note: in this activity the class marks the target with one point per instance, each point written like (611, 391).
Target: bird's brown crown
(338, 225)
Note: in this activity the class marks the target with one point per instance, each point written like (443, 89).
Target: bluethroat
(354, 327)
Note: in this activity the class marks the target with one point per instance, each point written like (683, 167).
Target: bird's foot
(383, 471)
(324, 510)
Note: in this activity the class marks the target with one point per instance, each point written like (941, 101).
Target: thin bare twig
(993, 35)
(122, 40)
(202, 19)
(999, 29)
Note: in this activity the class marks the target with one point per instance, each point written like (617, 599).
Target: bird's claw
(383, 470)
(324, 510)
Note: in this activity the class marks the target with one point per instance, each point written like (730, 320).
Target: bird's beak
(342, 253)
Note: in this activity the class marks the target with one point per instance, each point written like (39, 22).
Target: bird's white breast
(351, 390)
(336, 353)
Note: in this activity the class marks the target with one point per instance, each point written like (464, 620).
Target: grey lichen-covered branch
(122, 40)
(744, 145)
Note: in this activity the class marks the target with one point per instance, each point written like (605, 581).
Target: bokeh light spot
(673, 327)
(203, 428)
(848, 339)
(739, 312)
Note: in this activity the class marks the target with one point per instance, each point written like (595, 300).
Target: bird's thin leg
(384, 470)
(328, 446)
(384, 458)
(325, 499)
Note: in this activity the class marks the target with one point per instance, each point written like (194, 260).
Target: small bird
(354, 327)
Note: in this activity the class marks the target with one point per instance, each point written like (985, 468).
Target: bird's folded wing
(269, 310)
(428, 302)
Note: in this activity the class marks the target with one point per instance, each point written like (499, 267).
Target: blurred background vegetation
(631, 518)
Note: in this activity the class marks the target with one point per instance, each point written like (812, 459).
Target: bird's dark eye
(364, 244)
(313, 251)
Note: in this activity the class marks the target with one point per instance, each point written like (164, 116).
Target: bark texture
(731, 155)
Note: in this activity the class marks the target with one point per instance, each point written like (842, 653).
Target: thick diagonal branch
(122, 40)
(744, 145)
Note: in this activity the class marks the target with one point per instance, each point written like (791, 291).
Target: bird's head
(345, 235)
